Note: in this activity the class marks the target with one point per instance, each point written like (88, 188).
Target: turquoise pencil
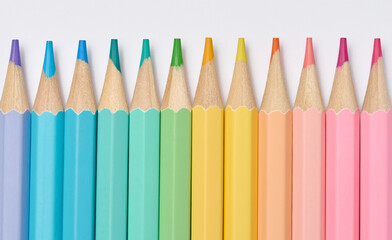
(112, 154)
(47, 145)
(80, 153)
(143, 185)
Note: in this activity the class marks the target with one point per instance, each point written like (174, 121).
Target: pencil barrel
(143, 194)
(376, 175)
(112, 175)
(46, 176)
(308, 174)
(14, 174)
(342, 175)
(275, 167)
(175, 175)
(240, 174)
(79, 175)
(207, 173)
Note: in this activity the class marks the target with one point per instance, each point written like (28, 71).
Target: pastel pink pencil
(376, 155)
(342, 159)
(308, 155)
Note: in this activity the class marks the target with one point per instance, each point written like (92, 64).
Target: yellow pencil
(240, 167)
(207, 153)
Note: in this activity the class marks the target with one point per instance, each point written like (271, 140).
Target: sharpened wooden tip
(241, 92)
(207, 92)
(48, 97)
(309, 94)
(81, 96)
(145, 94)
(14, 92)
(377, 96)
(275, 95)
(343, 92)
(176, 94)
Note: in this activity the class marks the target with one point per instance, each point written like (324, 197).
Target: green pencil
(175, 171)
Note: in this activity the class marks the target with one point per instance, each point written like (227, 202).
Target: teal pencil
(80, 153)
(47, 145)
(112, 154)
(144, 117)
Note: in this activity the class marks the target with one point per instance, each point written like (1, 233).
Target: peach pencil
(275, 152)
(376, 155)
(342, 158)
(308, 155)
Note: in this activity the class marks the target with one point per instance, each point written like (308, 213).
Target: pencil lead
(114, 55)
(241, 52)
(49, 65)
(275, 47)
(377, 53)
(82, 51)
(309, 56)
(15, 56)
(343, 55)
(145, 51)
(177, 54)
(208, 51)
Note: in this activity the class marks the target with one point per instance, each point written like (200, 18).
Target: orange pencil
(275, 151)
(309, 155)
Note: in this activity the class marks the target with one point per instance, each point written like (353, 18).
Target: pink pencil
(308, 155)
(376, 155)
(342, 158)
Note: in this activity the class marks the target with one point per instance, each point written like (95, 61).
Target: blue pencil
(47, 145)
(80, 153)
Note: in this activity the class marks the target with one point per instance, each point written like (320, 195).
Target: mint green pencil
(112, 154)
(143, 188)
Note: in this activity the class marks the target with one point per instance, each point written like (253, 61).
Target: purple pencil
(14, 152)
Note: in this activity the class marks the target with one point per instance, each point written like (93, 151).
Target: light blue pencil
(80, 154)
(47, 145)
(144, 121)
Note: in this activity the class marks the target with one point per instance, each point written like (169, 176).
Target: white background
(97, 21)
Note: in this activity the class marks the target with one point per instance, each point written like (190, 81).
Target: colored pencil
(14, 152)
(112, 154)
(175, 171)
(240, 154)
(275, 152)
(144, 122)
(47, 152)
(309, 155)
(342, 159)
(376, 155)
(207, 152)
(80, 153)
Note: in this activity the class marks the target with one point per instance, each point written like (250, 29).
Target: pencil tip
(377, 53)
(114, 55)
(309, 56)
(208, 51)
(275, 47)
(145, 51)
(177, 54)
(82, 51)
(343, 55)
(49, 65)
(241, 52)
(15, 56)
